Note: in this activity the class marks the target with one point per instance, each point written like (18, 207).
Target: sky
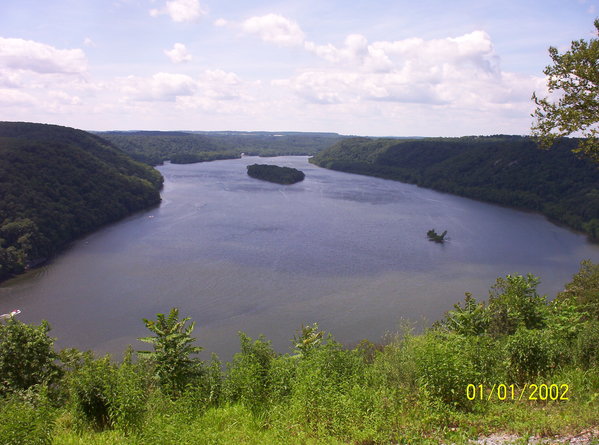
(370, 68)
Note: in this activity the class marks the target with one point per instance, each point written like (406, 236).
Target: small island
(274, 173)
(434, 236)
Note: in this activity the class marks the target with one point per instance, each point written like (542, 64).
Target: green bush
(514, 302)
(104, 395)
(530, 353)
(248, 376)
(323, 388)
(472, 319)
(587, 346)
(584, 289)
(444, 364)
(171, 357)
(281, 377)
(26, 356)
(24, 422)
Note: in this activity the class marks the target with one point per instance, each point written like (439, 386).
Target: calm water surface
(349, 252)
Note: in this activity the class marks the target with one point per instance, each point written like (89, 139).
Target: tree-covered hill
(179, 147)
(508, 170)
(155, 147)
(57, 183)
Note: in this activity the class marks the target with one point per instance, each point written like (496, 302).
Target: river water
(239, 254)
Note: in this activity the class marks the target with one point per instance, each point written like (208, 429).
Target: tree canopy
(274, 173)
(574, 78)
(58, 183)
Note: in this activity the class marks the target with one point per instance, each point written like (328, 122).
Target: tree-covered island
(274, 173)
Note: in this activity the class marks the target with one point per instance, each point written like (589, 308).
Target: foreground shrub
(472, 319)
(584, 289)
(531, 353)
(587, 346)
(248, 376)
(514, 302)
(24, 422)
(104, 395)
(325, 394)
(171, 358)
(445, 366)
(26, 355)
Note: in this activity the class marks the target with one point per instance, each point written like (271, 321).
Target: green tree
(514, 302)
(309, 338)
(27, 355)
(175, 368)
(583, 290)
(574, 75)
(472, 319)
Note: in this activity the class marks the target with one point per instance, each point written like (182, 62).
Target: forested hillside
(155, 147)
(508, 170)
(57, 183)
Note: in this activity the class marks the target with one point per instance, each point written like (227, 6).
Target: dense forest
(274, 173)
(57, 183)
(518, 364)
(507, 170)
(155, 147)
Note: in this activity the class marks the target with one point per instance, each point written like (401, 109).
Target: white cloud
(12, 97)
(160, 87)
(178, 53)
(181, 10)
(211, 86)
(38, 57)
(89, 42)
(221, 22)
(63, 98)
(274, 28)
(454, 72)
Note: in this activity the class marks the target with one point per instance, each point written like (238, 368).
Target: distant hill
(182, 147)
(155, 147)
(507, 170)
(58, 183)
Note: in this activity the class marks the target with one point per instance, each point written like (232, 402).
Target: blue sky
(402, 68)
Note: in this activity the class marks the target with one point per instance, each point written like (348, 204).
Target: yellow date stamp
(530, 391)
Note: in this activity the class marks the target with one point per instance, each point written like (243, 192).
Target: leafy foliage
(247, 379)
(530, 353)
(26, 422)
(175, 368)
(309, 338)
(583, 290)
(472, 319)
(59, 183)
(574, 74)
(514, 302)
(27, 356)
(104, 395)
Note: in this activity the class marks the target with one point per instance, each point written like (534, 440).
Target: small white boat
(12, 314)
